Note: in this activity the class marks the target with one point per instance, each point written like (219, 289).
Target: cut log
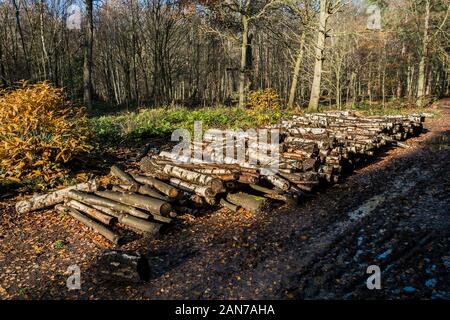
(264, 190)
(194, 177)
(136, 224)
(158, 208)
(252, 203)
(162, 187)
(96, 200)
(123, 267)
(230, 206)
(227, 177)
(248, 179)
(204, 191)
(125, 177)
(278, 182)
(144, 190)
(99, 228)
(217, 171)
(50, 199)
(274, 194)
(91, 212)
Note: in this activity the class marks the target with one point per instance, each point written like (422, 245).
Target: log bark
(204, 191)
(248, 179)
(252, 203)
(230, 206)
(194, 177)
(96, 200)
(91, 212)
(50, 199)
(123, 267)
(217, 171)
(162, 187)
(136, 224)
(144, 190)
(158, 208)
(278, 182)
(99, 228)
(125, 177)
(227, 177)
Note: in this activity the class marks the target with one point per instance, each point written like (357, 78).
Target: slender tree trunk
(295, 76)
(45, 60)
(2, 68)
(88, 43)
(421, 77)
(22, 38)
(243, 69)
(338, 88)
(400, 73)
(320, 46)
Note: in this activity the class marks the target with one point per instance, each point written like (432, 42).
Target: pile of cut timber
(314, 150)
(143, 207)
(339, 140)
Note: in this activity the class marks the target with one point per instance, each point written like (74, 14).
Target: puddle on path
(366, 208)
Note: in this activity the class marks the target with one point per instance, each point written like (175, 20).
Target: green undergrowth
(134, 127)
(161, 122)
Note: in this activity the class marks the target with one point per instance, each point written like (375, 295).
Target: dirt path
(394, 213)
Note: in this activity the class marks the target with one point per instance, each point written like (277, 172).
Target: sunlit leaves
(39, 131)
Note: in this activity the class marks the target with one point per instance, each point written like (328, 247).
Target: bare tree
(88, 55)
(327, 8)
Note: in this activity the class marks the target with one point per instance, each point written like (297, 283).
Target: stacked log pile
(315, 150)
(343, 139)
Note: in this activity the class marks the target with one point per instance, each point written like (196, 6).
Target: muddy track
(394, 212)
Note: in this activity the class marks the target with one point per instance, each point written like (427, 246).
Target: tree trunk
(88, 62)
(423, 57)
(320, 47)
(295, 76)
(45, 59)
(243, 70)
(22, 38)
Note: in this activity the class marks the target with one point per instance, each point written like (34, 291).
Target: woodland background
(206, 53)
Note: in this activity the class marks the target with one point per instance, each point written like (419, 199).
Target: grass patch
(59, 244)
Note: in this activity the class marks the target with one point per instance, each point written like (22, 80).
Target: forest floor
(393, 212)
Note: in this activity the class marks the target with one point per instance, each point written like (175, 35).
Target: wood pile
(314, 150)
(344, 139)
